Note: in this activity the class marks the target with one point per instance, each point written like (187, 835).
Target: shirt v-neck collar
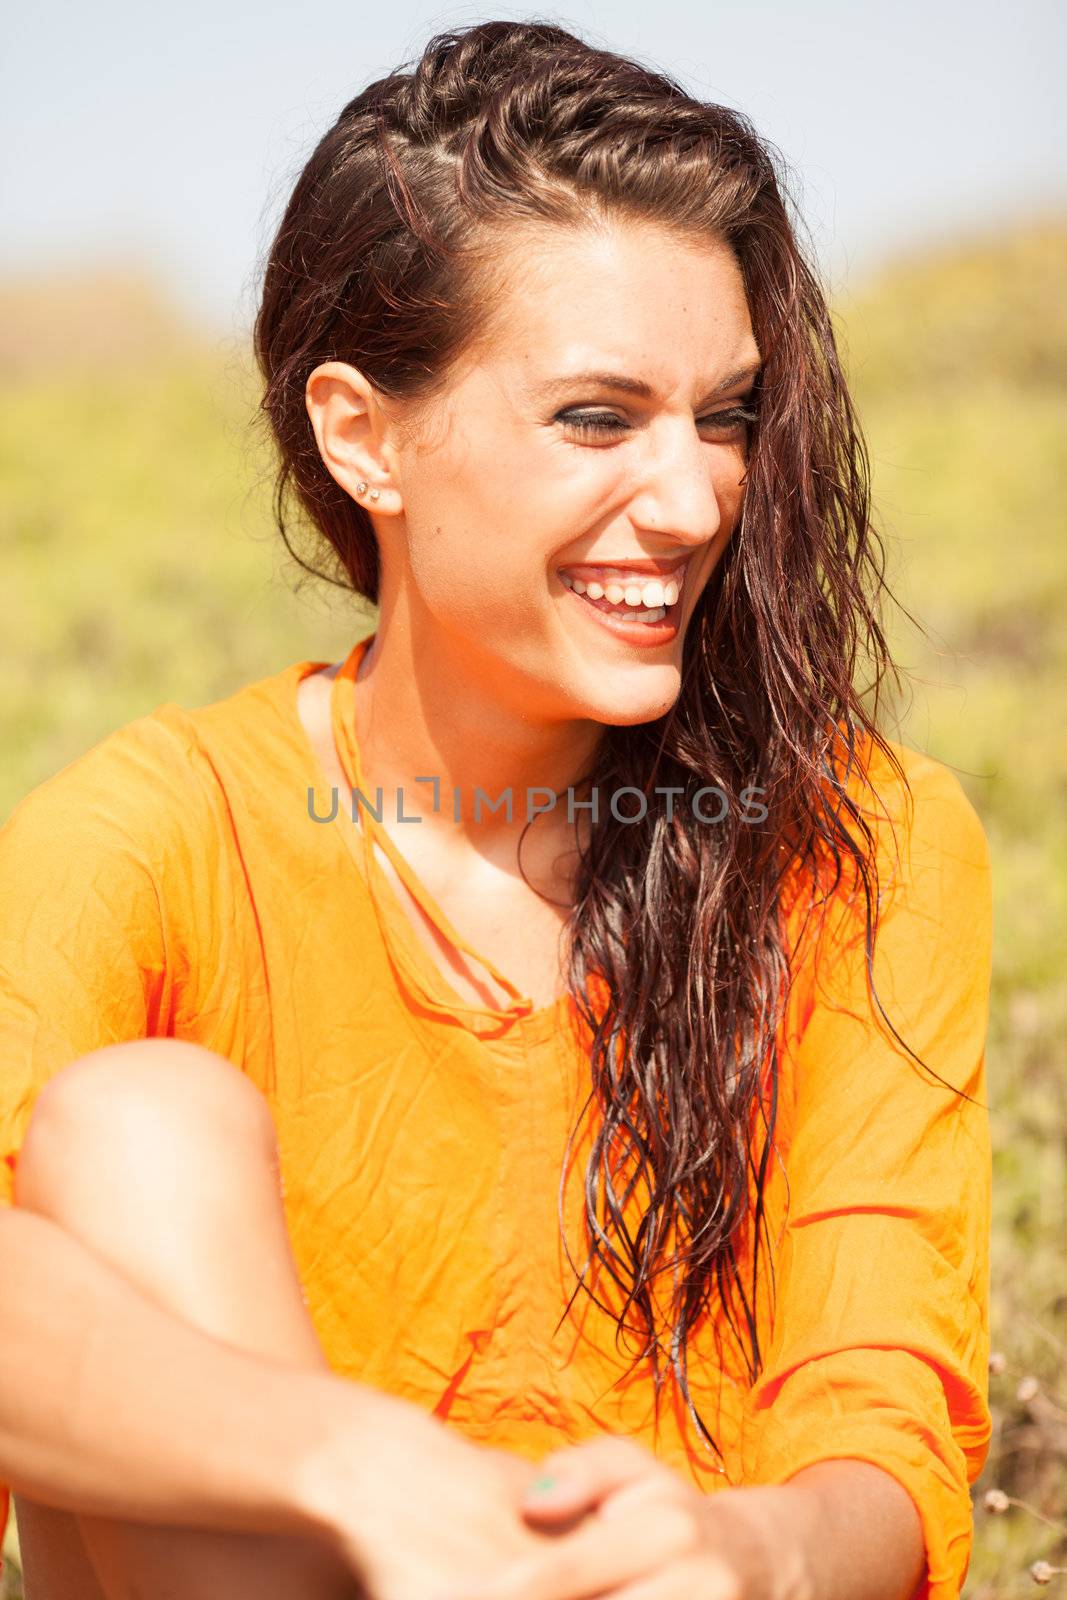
(430, 984)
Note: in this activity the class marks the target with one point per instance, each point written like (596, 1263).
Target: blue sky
(170, 136)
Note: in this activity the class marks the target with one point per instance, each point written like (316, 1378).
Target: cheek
(729, 483)
(466, 568)
(480, 533)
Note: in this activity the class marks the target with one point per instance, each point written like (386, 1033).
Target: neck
(433, 711)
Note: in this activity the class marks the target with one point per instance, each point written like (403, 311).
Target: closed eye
(606, 422)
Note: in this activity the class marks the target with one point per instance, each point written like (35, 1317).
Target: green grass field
(141, 566)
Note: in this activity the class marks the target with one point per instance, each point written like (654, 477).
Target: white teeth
(642, 616)
(653, 596)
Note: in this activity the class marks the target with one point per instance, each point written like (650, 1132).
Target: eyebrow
(628, 385)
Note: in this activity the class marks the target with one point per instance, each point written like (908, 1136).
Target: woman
(683, 966)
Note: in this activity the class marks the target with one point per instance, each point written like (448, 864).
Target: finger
(581, 1476)
(599, 1555)
(553, 1495)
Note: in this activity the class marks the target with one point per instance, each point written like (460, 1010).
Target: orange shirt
(171, 882)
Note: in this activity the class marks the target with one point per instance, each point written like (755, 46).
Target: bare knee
(172, 1080)
(158, 1099)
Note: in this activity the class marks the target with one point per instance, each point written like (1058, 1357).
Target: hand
(645, 1534)
(413, 1507)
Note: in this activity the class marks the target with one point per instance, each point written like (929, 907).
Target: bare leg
(161, 1157)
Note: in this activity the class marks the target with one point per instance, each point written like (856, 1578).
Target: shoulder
(158, 783)
(126, 786)
(263, 738)
(920, 905)
(923, 822)
(909, 817)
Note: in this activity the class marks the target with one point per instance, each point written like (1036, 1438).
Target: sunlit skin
(485, 670)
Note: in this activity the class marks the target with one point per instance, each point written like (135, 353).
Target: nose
(677, 495)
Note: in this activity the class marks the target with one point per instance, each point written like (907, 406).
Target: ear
(353, 435)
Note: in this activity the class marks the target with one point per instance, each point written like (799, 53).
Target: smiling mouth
(646, 591)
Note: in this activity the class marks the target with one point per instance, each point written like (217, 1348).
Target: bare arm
(865, 1536)
(112, 1406)
(838, 1530)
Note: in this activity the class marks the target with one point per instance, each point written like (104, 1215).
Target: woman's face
(598, 440)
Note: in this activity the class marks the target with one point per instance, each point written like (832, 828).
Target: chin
(628, 704)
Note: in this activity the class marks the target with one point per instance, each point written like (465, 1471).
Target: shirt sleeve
(88, 943)
(880, 1348)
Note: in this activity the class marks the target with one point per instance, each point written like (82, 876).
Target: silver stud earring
(375, 494)
(361, 487)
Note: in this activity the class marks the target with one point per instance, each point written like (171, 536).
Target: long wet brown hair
(385, 258)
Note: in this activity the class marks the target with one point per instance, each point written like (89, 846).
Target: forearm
(838, 1530)
(110, 1405)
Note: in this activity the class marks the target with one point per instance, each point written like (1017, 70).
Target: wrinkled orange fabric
(172, 882)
